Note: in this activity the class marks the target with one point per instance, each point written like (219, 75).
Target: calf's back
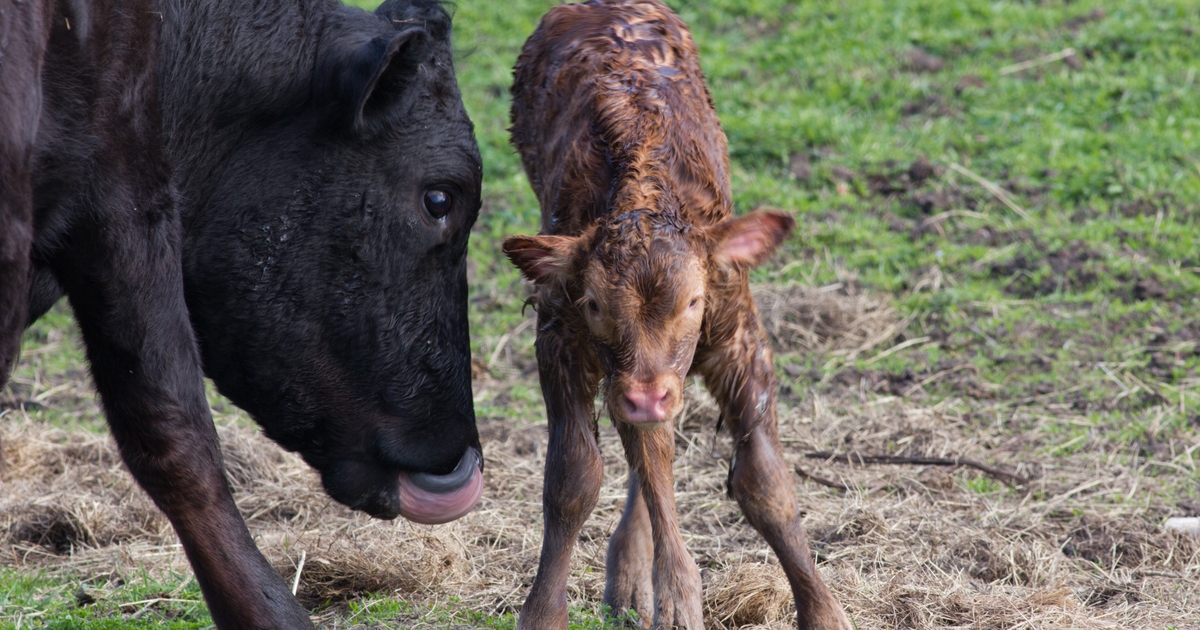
(611, 112)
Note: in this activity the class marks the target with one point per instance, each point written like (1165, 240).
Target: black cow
(291, 184)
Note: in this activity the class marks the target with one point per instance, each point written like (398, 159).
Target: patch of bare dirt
(1152, 206)
(933, 105)
(968, 82)
(1078, 22)
(921, 61)
(1074, 267)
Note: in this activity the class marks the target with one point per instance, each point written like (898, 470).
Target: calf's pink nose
(646, 404)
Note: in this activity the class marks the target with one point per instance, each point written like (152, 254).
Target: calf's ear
(750, 240)
(368, 79)
(541, 259)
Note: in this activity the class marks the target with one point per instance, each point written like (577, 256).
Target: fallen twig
(821, 480)
(914, 388)
(1005, 477)
(896, 348)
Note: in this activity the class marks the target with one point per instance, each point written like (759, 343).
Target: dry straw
(902, 547)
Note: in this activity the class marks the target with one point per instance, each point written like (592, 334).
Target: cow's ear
(541, 259)
(748, 241)
(374, 76)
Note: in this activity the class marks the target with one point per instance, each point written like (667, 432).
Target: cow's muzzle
(434, 499)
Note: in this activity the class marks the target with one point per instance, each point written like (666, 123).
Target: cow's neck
(228, 66)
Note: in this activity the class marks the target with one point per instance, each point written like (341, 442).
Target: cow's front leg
(628, 570)
(741, 375)
(23, 31)
(121, 269)
(127, 294)
(573, 475)
(677, 596)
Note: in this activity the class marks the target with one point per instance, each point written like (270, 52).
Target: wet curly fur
(641, 275)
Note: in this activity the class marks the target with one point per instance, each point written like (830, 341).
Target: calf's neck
(641, 275)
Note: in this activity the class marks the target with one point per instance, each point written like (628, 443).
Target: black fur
(249, 175)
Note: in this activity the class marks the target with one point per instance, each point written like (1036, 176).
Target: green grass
(131, 601)
(1101, 155)
(383, 611)
(1089, 302)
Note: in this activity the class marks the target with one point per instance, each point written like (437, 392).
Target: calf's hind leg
(628, 568)
(741, 376)
(677, 597)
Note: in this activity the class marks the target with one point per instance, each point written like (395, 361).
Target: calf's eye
(437, 203)
(693, 303)
(593, 307)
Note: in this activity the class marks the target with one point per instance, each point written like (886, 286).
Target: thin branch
(821, 480)
(896, 348)
(1005, 477)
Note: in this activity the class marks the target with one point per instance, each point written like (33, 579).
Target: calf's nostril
(648, 404)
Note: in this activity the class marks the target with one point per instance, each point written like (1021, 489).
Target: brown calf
(641, 280)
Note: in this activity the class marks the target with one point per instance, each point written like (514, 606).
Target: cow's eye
(695, 301)
(593, 307)
(437, 203)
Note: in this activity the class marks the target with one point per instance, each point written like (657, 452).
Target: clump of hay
(367, 558)
(827, 319)
(749, 594)
(66, 492)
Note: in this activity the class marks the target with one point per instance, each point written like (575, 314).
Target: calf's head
(639, 285)
(326, 273)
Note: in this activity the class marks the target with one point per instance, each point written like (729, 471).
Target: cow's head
(326, 271)
(639, 281)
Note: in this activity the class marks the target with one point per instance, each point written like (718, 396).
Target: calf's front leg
(574, 473)
(740, 373)
(677, 596)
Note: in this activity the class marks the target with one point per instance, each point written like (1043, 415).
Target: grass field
(998, 258)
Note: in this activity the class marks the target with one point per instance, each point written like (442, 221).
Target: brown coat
(642, 279)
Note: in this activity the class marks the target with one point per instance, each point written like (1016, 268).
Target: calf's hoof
(677, 600)
(535, 616)
(629, 612)
(684, 615)
(825, 615)
(621, 596)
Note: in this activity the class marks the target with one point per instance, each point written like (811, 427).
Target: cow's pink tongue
(436, 499)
